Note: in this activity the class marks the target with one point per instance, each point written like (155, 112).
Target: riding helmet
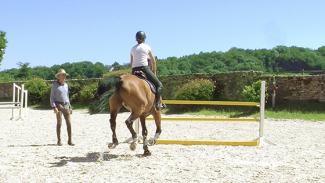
(140, 35)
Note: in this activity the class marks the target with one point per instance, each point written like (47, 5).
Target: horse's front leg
(129, 124)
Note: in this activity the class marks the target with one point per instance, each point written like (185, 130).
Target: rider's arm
(153, 63)
(131, 59)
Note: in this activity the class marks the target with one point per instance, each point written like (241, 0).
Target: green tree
(3, 42)
(24, 71)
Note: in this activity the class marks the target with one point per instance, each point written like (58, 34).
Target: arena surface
(294, 152)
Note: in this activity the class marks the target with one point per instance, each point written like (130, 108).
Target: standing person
(61, 104)
(140, 54)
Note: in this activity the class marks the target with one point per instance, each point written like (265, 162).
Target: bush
(117, 73)
(198, 89)
(74, 90)
(253, 92)
(38, 89)
(88, 92)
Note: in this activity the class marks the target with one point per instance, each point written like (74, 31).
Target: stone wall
(299, 88)
(6, 91)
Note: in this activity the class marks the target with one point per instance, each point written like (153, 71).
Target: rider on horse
(140, 54)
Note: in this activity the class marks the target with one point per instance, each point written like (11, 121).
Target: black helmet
(140, 36)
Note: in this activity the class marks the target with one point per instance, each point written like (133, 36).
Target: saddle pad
(140, 75)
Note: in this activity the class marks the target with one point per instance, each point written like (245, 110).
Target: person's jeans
(151, 77)
(66, 110)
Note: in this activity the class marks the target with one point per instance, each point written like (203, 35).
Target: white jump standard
(19, 101)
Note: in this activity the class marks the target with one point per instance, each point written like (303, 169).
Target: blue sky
(47, 32)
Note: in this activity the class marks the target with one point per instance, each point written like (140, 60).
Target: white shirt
(140, 55)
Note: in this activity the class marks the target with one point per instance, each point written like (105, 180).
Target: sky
(48, 32)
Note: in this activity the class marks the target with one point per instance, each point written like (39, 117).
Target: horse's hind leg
(115, 104)
(144, 135)
(129, 124)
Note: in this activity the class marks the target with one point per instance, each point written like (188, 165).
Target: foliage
(76, 70)
(74, 90)
(38, 89)
(278, 59)
(198, 89)
(23, 71)
(116, 66)
(3, 42)
(116, 73)
(252, 92)
(88, 92)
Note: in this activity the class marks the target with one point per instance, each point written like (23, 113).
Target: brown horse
(135, 95)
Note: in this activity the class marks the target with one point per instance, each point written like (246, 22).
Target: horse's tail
(106, 88)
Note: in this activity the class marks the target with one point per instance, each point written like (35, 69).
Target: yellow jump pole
(206, 119)
(208, 142)
(224, 103)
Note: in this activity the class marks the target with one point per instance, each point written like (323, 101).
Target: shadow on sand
(93, 157)
(33, 145)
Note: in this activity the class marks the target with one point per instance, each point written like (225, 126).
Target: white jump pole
(22, 93)
(262, 112)
(26, 100)
(13, 100)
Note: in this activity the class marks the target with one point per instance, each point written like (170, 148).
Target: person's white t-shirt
(140, 54)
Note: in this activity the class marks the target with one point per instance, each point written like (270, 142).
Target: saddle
(141, 75)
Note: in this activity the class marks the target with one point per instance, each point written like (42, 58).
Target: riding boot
(159, 104)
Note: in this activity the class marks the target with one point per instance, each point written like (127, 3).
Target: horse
(136, 95)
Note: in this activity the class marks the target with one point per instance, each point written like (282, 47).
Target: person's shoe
(70, 143)
(59, 143)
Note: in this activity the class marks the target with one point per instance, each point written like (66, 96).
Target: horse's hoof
(112, 145)
(133, 145)
(146, 153)
(152, 141)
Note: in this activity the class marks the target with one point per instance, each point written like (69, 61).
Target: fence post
(26, 100)
(22, 93)
(262, 111)
(13, 100)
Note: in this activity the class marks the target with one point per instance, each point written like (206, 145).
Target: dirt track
(295, 152)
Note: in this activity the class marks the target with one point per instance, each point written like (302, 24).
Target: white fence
(19, 101)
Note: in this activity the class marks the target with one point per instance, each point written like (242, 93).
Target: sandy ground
(294, 152)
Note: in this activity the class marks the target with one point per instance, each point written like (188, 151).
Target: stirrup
(160, 105)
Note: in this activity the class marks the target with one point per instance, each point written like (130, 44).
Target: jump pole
(13, 100)
(256, 142)
(26, 100)
(22, 93)
(262, 113)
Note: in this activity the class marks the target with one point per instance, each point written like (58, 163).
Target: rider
(140, 54)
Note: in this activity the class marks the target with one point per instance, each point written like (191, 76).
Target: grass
(311, 111)
(309, 116)
(269, 113)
